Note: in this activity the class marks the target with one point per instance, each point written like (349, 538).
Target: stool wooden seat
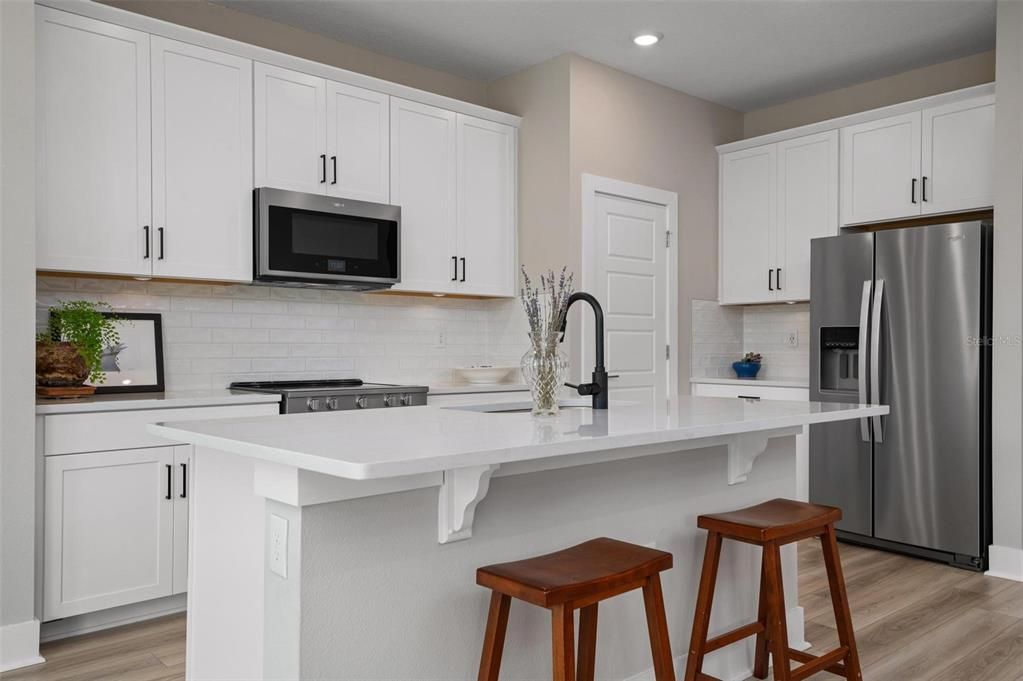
(577, 578)
(771, 525)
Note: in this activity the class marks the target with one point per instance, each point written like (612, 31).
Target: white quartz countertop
(767, 382)
(385, 443)
(165, 400)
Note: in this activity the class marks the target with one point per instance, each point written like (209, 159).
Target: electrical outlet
(793, 339)
(442, 339)
(279, 545)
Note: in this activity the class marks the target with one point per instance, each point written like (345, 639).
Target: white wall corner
(19, 645)
(1005, 562)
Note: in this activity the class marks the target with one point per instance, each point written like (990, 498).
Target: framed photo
(135, 364)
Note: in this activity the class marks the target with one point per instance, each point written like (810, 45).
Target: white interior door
(958, 156)
(108, 529)
(748, 218)
(629, 273)
(358, 143)
(807, 207)
(92, 145)
(423, 183)
(202, 162)
(486, 207)
(881, 169)
(290, 111)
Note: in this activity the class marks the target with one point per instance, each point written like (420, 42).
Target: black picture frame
(108, 387)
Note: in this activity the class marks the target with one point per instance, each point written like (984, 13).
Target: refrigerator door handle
(875, 356)
(862, 356)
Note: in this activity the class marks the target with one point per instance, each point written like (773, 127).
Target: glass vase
(544, 370)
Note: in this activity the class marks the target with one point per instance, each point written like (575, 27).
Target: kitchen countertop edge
(140, 401)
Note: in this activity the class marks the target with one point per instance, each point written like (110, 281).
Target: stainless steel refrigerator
(903, 317)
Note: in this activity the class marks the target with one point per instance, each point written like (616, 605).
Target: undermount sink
(517, 407)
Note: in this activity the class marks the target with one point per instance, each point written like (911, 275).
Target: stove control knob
(406, 400)
(361, 402)
(391, 401)
(314, 404)
(331, 403)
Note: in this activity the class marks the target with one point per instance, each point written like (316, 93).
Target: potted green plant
(69, 351)
(748, 366)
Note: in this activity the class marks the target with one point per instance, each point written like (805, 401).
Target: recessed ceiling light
(647, 39)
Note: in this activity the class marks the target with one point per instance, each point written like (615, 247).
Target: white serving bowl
(483, 375)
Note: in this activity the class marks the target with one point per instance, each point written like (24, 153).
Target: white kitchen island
(343, 545)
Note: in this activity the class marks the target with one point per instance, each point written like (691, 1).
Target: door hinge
(667, 239)
(667, 352)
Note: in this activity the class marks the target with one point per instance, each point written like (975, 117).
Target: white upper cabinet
(358, 143)
(807, 207)
(487, 244)
(290, 120)
(423, 183)
(108, 529)
(202, 162)
(881, 169)
(748, 214)
(958, 156)
(93, 155)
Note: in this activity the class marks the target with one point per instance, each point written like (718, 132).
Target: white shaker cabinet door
(748, 215)
(486, 207)
(290, 140)
(202, 162)
(423, 183)
(182, 491)
(92, 146)
(881, 169)
(108, 529)
(958, 156)
(807, 207)
(358, 143)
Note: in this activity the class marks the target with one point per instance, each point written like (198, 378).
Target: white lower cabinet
(109, 529)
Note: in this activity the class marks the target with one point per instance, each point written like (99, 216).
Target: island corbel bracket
(461, 491)
(743, 450)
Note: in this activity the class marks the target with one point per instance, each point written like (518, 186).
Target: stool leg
(778, 637)
(840, 603)
(657, 625)
(761, 660)
(704, 601)
(493, 639)
(563, 640)
(586, 667)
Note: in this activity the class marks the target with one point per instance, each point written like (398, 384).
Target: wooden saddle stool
(771, 525)
(577, 578)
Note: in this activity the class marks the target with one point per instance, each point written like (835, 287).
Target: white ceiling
(744, 54)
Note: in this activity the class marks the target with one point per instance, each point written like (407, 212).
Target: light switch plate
(279, 545)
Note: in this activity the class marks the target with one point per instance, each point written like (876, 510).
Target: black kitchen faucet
(598, 387)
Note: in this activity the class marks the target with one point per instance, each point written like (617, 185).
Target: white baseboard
(112, 617)
(19, 645)
(1005, 562)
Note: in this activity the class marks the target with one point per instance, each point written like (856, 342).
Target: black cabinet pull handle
(912, 191)
(923, 188)
(145, 230)
(333, 160)
(160, 230)
(463, 270)
(170, 481)
(184, 481)
(770, 286)
(323, 166)
(454, 261)
(777, 278)
(747, 397)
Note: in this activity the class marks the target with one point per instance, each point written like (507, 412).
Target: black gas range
(337, 395)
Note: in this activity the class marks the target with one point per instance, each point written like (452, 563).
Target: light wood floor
(915, 621)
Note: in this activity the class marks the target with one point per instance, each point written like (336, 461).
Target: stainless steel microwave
(315, 240)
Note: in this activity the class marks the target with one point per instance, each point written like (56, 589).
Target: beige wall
(1007, 403)
(272, 35)
(630, 129)
(902, 87)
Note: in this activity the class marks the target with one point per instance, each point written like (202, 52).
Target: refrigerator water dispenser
(840, 358)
